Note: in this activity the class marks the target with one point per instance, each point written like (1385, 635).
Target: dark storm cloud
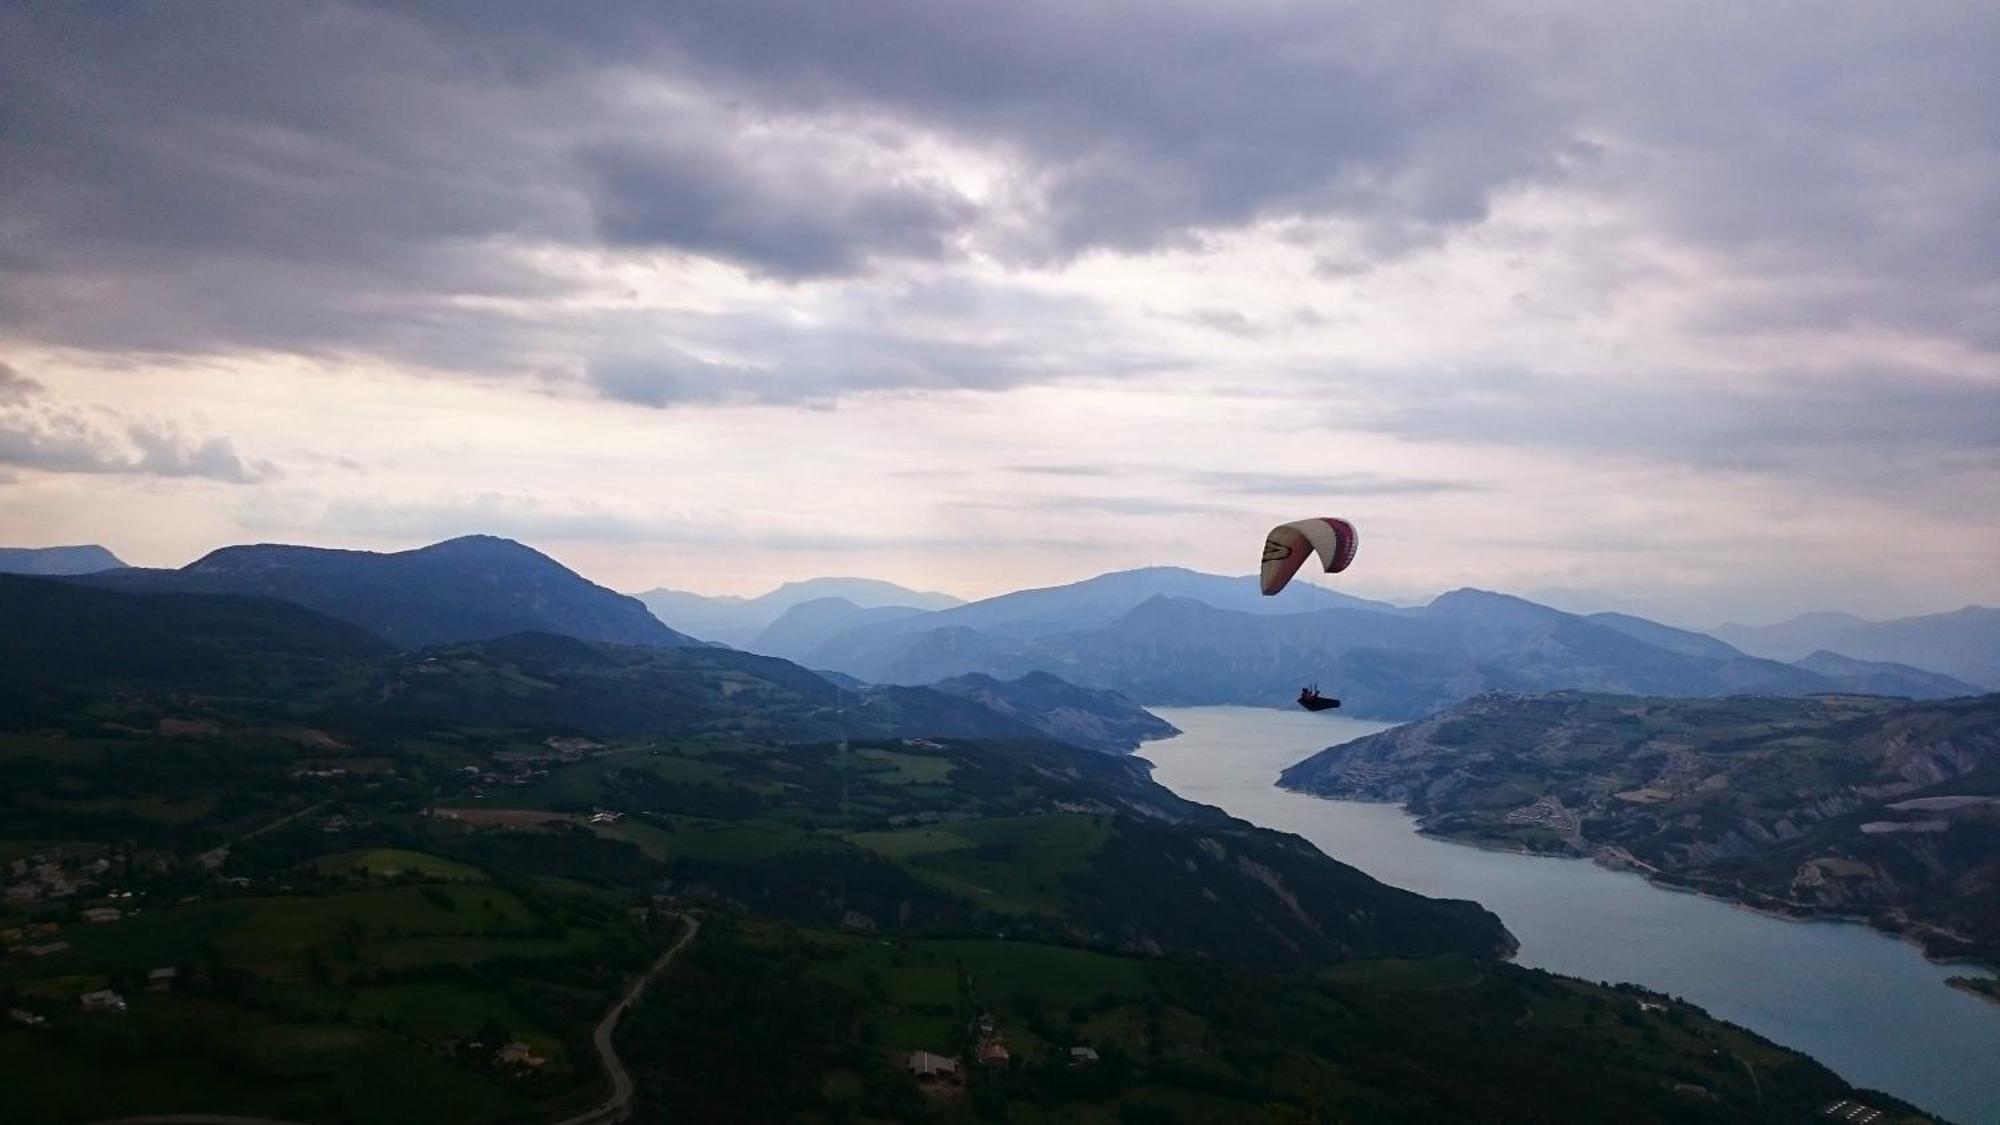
(804, 215)
(336, 177)
(1852, 158)
(355, 178)
(1141, 121)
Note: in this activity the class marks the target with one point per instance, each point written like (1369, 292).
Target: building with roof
(103, 1000)
(928, 1067)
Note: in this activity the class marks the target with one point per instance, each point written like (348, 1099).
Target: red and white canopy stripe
(1288, 544)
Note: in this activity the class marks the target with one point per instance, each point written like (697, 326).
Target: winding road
(615, 1107)
(610, 1110)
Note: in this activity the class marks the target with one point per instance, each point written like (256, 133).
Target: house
(27, 1018)
(1082, 1055)
(103, 1000)
(993, 1053)
(519, 1054)
(605, 817)
(1856, 1112)
(102, 914)
(159, 980)
(45, 949)
(928, 1067)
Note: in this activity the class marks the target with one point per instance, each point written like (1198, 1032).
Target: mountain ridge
(469, 588)
(85, 558)
(1962, 643)
(735, 620)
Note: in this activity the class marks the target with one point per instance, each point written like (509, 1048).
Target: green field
(395, 861)
(331, 1007)
(894, 767)
(1006, 864)
(171, 1053)
(699, 838)
(929, 989)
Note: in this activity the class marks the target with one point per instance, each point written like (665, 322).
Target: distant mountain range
(1159, 634)
(1024, 615)
(64, 642)
(736, 621)
(1177, 637)
(86, 559)
(468, 589)
(1964, 643)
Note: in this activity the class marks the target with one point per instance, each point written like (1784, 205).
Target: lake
(1863, 1003)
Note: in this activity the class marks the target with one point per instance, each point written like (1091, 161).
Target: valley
(261, 852)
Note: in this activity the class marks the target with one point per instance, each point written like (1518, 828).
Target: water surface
(1866, 1004)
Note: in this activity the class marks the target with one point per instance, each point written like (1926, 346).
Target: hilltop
(473, 588)
(86, 559)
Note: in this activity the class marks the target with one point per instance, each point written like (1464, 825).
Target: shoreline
(1967, 984)
(1664, 881)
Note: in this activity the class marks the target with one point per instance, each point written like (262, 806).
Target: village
(944, 1075)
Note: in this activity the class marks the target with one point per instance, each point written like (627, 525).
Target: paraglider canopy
(1288, 544)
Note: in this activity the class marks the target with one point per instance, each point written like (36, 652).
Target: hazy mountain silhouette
(1078, 605)
(464, 589)
(737, 621)
(1384, 663)
(1964, 643)
(1684, 641)
(86, 559)
(804, 627)
(1883, 677)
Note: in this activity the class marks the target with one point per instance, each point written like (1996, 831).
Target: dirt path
(216, 857)
(611, 1109)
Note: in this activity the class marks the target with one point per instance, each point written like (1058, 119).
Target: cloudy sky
(1688, 308)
